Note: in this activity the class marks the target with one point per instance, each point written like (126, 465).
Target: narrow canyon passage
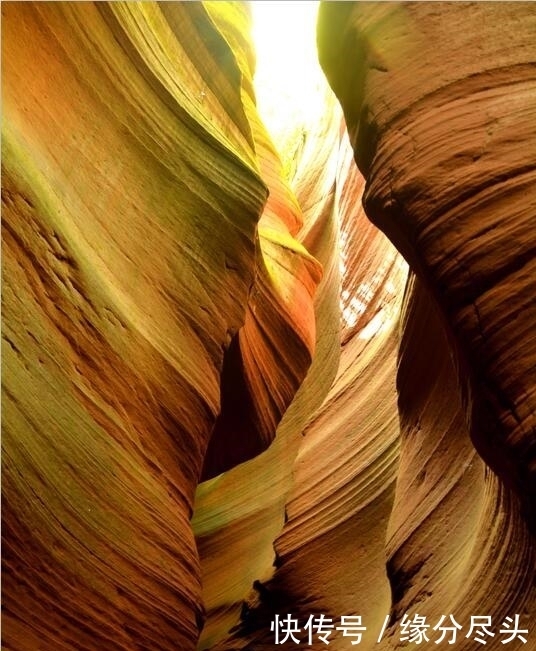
(269, 326)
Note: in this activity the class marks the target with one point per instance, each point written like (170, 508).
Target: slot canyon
(269, 351)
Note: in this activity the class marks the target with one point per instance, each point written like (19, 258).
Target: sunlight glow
(292, 99)
(289, 82)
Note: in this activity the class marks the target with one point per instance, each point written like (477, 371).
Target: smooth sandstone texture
(330, 556)
(456, 541)
(239, 514)
(135, 172)
(440, 105)
(224, 397)
(456, 538)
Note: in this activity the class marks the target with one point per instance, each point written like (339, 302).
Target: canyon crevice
(245, 379)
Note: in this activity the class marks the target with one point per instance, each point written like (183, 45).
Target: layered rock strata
(439, 103)
(224, 397)
(135, 172)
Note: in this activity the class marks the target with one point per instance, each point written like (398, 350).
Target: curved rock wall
(224, 397)
(135, 172)
(239, 514)
(439, 102)
(456, 541)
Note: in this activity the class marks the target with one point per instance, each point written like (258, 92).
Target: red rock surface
(132, 190)
(439, 102)
(225, 395)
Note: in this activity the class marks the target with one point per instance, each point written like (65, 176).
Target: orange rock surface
(243, 380)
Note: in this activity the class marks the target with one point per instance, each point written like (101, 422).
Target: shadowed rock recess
(242, 383)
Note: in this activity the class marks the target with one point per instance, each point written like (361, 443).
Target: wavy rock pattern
(260, 376)
(439, 102)
(238, 514)
(224, 396)
(131, 196)
(343, 477)
(486, 562)
(443, 129)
